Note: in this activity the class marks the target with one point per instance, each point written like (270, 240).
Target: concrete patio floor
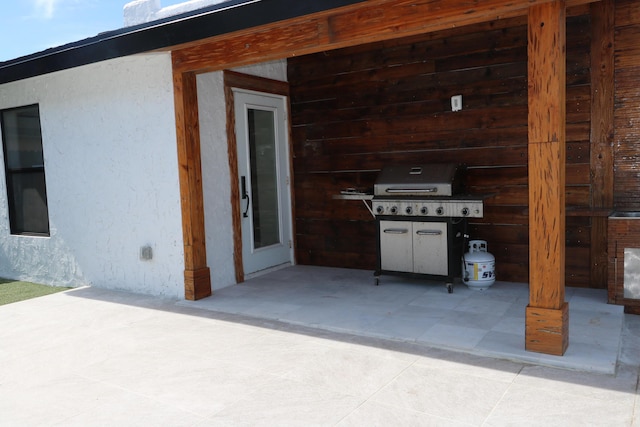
(90, 357)
(488, 323)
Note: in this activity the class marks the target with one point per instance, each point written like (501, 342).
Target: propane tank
(478, 267)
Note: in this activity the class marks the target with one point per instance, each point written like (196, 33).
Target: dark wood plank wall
(627, 106)
(355, 110)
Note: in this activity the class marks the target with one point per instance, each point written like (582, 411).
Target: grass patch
(14, 291)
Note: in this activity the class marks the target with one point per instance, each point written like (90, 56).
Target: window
(24, 170)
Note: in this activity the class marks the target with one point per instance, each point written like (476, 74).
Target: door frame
(276, 254)
(242, 81)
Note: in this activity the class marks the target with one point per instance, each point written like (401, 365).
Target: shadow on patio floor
(486, 323)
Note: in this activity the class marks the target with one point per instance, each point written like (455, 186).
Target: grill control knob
(409, 210)
(465, 211)
(394, 209)
(424, 210)
(440, 210)
(379, 209)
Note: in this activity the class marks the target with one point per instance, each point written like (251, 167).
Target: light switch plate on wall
(456, 103)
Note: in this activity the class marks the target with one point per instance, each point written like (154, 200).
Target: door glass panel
(264, 183)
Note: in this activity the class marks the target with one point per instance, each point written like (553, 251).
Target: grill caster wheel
(376, 281)
(450, 288)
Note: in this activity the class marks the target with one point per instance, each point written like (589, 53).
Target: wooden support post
(197, 277)
(602, 129)
(547, 319)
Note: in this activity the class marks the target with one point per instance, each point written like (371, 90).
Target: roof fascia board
(221, 19)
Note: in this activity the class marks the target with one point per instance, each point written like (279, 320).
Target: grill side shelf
(348, 195)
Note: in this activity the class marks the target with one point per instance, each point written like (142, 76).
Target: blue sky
(29, 26)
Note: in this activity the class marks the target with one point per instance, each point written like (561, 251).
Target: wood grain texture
(259, 84)
(547, 73)
(547, 330)
(366, 22)
(627, 13)
(236, 215)
(358, 109)
(197, 283)
(627, 99)
(547, 151)
(196, 273)
(461, 56)
(546, 225)
(602, 133)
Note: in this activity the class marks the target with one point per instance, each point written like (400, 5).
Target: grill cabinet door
(396, 248)
(430, 248)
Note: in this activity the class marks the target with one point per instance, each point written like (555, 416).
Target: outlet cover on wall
(146, 253)
(456, 103)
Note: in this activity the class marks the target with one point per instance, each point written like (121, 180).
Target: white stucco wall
(215, 165)
(215, 168)
(110, 155)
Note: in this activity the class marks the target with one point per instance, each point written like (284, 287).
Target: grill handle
(429, 232)
(411, 190)
(395, 231)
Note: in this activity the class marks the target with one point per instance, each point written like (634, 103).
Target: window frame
(11, 172)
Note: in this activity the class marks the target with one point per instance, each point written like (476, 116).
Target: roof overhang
(224, 18)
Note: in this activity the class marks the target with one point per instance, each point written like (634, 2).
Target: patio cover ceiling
(376, 20)
(339, 23)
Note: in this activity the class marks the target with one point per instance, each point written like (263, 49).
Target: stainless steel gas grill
(421, 214)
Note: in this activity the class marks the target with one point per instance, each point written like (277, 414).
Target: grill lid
(427, 180)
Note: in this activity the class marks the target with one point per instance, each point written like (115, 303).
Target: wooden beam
(547, 154)
(602, 129)
(259, 84)
(367, 22)
(197, 276)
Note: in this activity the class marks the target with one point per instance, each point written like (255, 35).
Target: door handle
(244, 195)
(412, 190)
(429, 232)
(395, 230)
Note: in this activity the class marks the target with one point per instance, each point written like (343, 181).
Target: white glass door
(263, 170)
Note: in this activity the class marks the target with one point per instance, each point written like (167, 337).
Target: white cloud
(45, 8)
